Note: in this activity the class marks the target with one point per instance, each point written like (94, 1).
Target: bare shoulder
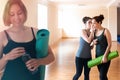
(35, 29)
(2, 38)
(107, 31)
(2, 35)
(83, 31)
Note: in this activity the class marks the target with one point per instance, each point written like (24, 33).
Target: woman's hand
(14, 53)
(104, 59)
(95, 41)
(92, 29)
(32, 64)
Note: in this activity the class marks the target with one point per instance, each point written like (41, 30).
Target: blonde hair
(6, 16)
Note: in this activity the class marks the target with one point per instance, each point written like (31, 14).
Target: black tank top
(101, 45)
(16, 69)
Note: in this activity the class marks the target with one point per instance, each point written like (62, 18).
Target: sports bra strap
(7, 35)
(103, 31)
(33, 32)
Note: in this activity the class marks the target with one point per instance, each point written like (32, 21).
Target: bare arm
(108, 37)
(2, 59)
(50, 58)
(86, 37)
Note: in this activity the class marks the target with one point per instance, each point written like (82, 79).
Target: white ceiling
(94, 3)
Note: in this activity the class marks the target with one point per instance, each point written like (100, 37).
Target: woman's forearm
(47, 60)
(3, 62)
(50, 58)
(107, 51)
(91, 37)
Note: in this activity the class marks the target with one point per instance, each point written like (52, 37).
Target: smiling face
(95, 24)
(16, 15)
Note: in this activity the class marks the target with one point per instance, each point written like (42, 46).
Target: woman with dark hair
(103, 45)
(17, 41)
(84, 52)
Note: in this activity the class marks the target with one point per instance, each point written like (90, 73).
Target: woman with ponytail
(83, 54)
(103, 45)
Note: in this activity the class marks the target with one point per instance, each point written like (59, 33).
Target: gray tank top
(84, 50)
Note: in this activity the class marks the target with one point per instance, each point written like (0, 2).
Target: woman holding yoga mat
(17, 45)
(103, 45)
(83, 54)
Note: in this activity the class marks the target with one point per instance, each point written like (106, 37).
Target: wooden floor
(63, 68)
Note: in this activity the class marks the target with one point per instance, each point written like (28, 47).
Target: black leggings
(80, 63)
(103, 69)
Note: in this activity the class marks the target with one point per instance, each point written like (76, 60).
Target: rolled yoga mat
(97, 60)
(42, 39)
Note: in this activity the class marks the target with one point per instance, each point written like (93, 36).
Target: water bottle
(27, 57)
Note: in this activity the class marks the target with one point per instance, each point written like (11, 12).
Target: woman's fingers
(32, 64)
